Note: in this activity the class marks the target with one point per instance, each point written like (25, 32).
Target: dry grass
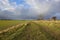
(33, 30)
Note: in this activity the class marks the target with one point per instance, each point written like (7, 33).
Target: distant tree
(54, 18)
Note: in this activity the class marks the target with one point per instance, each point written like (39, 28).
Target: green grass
(31, 30)
(9, 23)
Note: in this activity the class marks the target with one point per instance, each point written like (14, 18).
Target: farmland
(29, 30)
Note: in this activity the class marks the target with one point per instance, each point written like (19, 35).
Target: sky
(29, 9)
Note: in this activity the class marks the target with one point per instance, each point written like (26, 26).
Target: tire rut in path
(5, 30)
(19, 31)
(31, 32)
(10, 33)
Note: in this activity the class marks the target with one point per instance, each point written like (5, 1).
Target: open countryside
(29, 19)
(29, 30)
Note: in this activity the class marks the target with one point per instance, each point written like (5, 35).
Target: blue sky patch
(18, 1)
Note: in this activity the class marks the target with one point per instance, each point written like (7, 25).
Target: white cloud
(5, 5)
(36, 8)
(57, 0)
(41, 8)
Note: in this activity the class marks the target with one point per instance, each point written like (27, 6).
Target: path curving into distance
(27, 31)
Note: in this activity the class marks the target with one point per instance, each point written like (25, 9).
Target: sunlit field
(9, 23)
(29, 30)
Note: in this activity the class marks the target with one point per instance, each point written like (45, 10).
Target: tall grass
(31, 30)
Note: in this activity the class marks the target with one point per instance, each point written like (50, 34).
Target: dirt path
(31, 32)
(5, 30)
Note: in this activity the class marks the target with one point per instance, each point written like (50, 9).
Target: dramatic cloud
(28, 9)
(48, 7)
(4, 5)
(39, 6)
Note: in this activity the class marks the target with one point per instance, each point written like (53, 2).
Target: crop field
(29, 30)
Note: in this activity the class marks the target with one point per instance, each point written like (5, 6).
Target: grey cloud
(47, 8)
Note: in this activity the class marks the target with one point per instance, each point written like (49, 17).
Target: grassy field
(29, 30)
(9, 23)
